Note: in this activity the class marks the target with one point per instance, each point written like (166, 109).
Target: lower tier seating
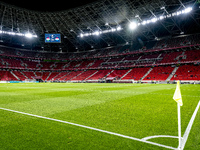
(187, 72)
(160, 73)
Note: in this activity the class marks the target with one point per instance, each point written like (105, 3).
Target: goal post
(30, 80)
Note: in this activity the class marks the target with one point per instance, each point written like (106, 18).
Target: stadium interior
(105, 41)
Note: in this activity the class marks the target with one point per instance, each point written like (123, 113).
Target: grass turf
(137, 110)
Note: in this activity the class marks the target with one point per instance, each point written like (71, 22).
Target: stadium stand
(167, 60)
(187, 72)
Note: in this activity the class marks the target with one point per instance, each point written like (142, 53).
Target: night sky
(48, 5)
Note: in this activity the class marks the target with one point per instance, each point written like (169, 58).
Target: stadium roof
(46, 5)
(96, 17)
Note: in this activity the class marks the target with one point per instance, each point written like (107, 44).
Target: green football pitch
(133, 110)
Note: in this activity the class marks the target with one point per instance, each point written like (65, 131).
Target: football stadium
(100, 75)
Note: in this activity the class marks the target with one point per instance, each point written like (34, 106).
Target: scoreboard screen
(52, 38)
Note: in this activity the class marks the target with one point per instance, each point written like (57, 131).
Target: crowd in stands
(156, 61)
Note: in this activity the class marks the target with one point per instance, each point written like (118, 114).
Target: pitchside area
(133, 110)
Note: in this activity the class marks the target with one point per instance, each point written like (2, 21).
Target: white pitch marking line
(187, 131)
(159, 136)
(91, 128)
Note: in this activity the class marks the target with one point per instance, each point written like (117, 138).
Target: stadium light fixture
(137, 16)
(81, 35)
(161, 17)
(184, 11)
(28, 35)
(178, 13)
(97, 33)
(133, 25)
(112, 30)
(119, 28)
(162, 8)
(187, 10)
(144, 22)
(106, 24)
(154, 19)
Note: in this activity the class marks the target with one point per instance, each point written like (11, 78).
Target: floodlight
(189, 9)
(96, 33)
(144, 22)
(162, 8)
(169, 15)
(28, 35)
(81, 35)
(11, 33)
(133, 25)
(20, 34)
(105, 31)
(178, 13)
(148, 21)
(161, 17)
(86, 34)
(154, 19)
(137, 16)
(119, 28)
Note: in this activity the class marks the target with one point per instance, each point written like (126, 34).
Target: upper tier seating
(170, 57)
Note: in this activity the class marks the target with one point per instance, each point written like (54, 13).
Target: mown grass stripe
(91, 128)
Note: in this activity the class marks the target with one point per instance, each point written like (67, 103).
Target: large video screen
(52, 38)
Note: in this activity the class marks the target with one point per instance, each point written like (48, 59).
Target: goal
(30, 80)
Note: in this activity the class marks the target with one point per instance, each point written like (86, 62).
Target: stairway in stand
(172, 74)
(147, 73)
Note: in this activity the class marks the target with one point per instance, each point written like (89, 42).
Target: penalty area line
(91, 128)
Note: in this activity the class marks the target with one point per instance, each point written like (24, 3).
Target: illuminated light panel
(155, 19)
(28, 35)
(97, 33)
